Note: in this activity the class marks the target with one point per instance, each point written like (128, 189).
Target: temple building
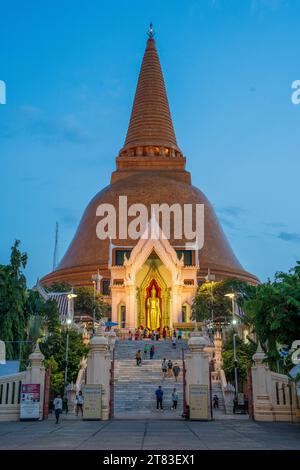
(151, 280)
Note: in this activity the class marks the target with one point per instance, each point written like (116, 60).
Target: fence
(10, 396)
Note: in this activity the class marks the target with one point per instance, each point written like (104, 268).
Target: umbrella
(295, 370)
(110, 323)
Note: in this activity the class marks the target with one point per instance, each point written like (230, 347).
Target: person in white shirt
(79, 403)
(57, 403)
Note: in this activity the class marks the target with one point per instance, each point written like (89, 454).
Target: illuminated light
(69, 321)
(71, 296)
(230, 295)
(234, 321)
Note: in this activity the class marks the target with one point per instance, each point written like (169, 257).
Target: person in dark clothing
(65, 405)
(216, 401)
(138, 357)
(152, 352)
(159, 398)
(176, 371)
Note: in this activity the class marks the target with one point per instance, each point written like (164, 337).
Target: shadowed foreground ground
(154, 434)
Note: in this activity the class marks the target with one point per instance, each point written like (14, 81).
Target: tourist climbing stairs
(135, 386)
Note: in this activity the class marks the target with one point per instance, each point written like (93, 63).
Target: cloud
(35, 122)
(275, 224)
(66, 216)
(257, 5)
(228, 223)
(231, 211)
(289, 237)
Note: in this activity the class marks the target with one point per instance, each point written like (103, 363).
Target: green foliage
(244, 353)
(84, 303)
(57, 376)
(274, 312)
(13, 298)
(60, 287)
(54, 350)
(211, 296)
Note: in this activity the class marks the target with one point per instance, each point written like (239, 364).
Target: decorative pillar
(35, 373)
(98, 368)
(131, 306)
(261, 384)
(176, 303)
(218, 350)
(198, 364)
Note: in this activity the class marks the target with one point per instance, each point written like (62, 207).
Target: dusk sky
(71, 70)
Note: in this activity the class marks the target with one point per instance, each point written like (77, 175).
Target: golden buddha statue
(153, 311)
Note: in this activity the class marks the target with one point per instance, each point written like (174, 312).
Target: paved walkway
(112, 435)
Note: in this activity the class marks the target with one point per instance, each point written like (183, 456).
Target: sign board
(92, 402)
(30, 402)
(241, 399)
(199, 400)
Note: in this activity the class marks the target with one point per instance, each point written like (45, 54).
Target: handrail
(112, 386)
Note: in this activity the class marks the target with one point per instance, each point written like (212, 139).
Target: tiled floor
(152, 434)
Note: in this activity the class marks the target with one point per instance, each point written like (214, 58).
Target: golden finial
(151, 31)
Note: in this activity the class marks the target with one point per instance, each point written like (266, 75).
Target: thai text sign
(199, 402)
(92, 402)
(30, 401)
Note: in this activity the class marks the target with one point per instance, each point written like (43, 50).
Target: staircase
(217, 390)
(135, 386)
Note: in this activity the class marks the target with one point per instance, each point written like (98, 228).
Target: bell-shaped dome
(150, 170)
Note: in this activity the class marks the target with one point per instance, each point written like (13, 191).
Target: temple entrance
(153, 294)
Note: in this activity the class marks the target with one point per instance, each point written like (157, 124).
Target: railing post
(112, 386)
(184, 384)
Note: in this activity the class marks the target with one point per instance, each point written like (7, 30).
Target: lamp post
(94, 307)
(231, 295)
(69, 320)
(210, 279)
(96, 278)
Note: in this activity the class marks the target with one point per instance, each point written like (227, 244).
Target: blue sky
(71, 69)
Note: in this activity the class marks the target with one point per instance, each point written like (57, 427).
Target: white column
(261, 386)
(35, 373)
(98, 368)
(198, 364)
(131, 306)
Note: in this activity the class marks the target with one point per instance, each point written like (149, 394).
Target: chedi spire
(150, 132)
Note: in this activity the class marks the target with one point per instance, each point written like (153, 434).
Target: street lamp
(96, 278)
(234, 322)
(69, 321)
(210, 279)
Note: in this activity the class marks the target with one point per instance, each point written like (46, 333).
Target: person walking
(179, 336)
(58, 406)
(174, 399)
(164, 368)
(138, 357)
(159, 398)
(65, 405)
(174, 341)
(176, 370)
(146, 349)
(216, 401)
(164, 333)
(152, 351)
(79, 403)
(170, 367)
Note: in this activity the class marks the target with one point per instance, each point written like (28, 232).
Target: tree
(244, 353)
(274, 312)
(84, 303)
(54, 350)
(13, 298)
(210, 297)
